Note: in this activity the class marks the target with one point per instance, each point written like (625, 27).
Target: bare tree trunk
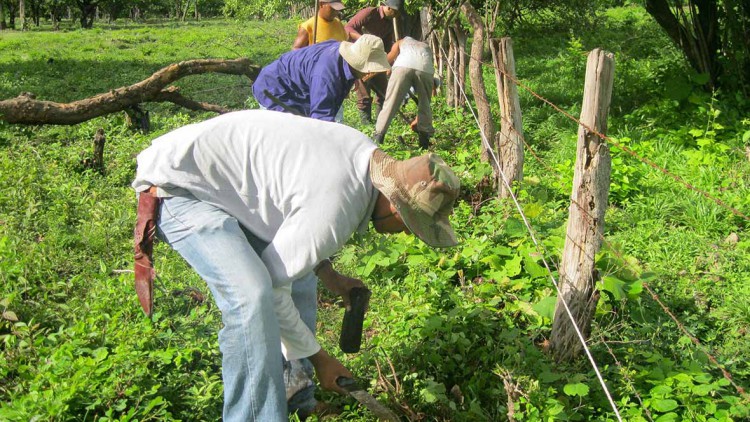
(424, 20)
(22, 15)
(578, 275)
(25, 109)
(183, 15)
(486, 123)
(509, 141)
(3, 25)
(697, 35)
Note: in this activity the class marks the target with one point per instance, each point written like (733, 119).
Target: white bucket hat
(366, 55)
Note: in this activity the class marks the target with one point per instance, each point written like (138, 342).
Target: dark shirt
(313, 80)
(371, 20)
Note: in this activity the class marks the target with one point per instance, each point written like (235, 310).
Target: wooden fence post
(509, 140)
(486, 124)
(578, 275)
(456, 66)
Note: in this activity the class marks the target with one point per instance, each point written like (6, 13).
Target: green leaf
(533, 210)
(696, 132)
(548, 377)
(669, 417)
(661, 391)
(577, 389)
(533, 269)
(636, 288)
(515, 228)
(526, 308)
(746, 136)
(546, 307)
(615, 286)
(664, 405)
(513, 266)
(495, 262)
(677, 88)
(703, 389)
(701, 78)
(10, 316)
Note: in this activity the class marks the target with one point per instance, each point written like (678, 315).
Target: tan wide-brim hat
(423, 189)
(366, 55)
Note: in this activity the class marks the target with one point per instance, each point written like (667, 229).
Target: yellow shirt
(326, 30)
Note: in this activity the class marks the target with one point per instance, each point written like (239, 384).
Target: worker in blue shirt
(314, 81)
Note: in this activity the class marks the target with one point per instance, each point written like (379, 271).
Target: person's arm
(297, 340)
(302, 39)
(311, 231)
(328, 370)
(354, 26)
(395, 51)
(336, 282)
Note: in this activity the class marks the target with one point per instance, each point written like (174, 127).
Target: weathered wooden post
(509, 140)
(578, 275)
(99, 141)
(456, 69)
(486, 124)
(450, 69)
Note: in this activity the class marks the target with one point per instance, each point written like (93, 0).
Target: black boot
(424, 140)
(364, 116)
(378, 137)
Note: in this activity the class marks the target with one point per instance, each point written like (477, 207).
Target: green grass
(445, 326)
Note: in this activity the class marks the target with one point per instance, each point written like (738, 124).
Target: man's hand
(328, 370)
(413, 124)
(338, 284)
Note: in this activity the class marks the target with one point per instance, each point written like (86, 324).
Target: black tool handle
(351, 329)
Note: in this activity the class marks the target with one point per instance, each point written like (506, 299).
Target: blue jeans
(227, 257)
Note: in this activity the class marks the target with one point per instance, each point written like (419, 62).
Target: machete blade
(367, 400)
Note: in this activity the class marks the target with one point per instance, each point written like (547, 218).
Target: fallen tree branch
(25, 109)
(172, 95)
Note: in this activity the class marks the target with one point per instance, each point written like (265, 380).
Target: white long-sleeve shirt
(300, 184)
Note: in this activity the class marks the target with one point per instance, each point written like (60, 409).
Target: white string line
(536, 243)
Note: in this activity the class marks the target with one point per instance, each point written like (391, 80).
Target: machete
(362, 396)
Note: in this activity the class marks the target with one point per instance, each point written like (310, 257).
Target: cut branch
(24, 109)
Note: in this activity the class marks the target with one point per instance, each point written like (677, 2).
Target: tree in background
(11, 6)
(87, 9)
(714, 35)
(114, 8)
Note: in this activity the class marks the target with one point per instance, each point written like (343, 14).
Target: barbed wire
(541, 250)
(624, 148)
(726, 374)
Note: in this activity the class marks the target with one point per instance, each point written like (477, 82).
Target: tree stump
(99, 141)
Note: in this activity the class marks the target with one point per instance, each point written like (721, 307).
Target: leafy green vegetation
(450, 334)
